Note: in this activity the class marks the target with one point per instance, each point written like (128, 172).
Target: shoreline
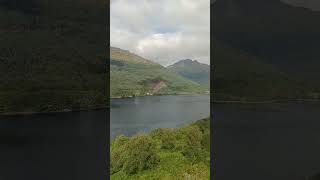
(182, 94)
(128, 97)
(28, 113)
(266, 101)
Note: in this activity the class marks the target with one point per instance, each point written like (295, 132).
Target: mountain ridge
(286, 38)
(126, 55)
(193, 70)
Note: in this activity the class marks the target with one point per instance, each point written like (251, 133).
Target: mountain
(193, 70)
(52, 55)
(132, 75)
(275, 32)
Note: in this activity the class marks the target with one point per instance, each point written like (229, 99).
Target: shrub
(189, 140)
(206, 140)
(182, 153)
(116, 153)
(136, 154)
(166, 137)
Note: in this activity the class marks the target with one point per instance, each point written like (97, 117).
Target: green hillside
(239, 76)
(52, 55)
(193, 70)
(287, 38)
(182, 153)
(132, 75)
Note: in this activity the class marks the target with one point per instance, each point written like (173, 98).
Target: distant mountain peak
(193, 70)
(186, 62)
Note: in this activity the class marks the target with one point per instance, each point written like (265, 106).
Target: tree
(132, 155)
(189, 140)
(165, 136)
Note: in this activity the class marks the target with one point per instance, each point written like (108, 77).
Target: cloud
(164, 31)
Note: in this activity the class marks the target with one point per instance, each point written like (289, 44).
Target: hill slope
(192, 70)
(52, 61)
(132, 75)
(277, 33)
(239, 76)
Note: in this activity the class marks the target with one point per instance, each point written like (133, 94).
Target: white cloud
(164, 31)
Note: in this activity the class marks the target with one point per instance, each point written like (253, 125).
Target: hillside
(277, 33)
(132, 75)
(193, 70)
(240, 76)
(52, 55)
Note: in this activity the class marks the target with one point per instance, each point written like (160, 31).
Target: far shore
(182, 94)
(26, 113)
(265, 101)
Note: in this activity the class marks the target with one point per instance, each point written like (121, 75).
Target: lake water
(54, 146)
(142, 114)
(266, 141)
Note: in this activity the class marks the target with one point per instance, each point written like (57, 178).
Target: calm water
(62, 146)
(142, 114)
(267, 142)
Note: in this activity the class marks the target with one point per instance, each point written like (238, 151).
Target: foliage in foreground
(163, 154)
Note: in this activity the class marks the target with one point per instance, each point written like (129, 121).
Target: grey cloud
(134, 26)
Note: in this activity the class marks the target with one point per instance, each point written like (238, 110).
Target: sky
(164, 31)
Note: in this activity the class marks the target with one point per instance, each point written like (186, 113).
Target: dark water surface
(72, 146)
(266, 141)
(142, 114)
(61, 146)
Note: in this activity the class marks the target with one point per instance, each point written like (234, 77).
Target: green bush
(182, 153)
(133, 155)
(206, 140)
(117, 148)
(166, 137)
(189, 140)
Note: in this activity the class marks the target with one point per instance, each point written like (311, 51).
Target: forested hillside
(276, 33)
(239, 76)
(265, 49)
(52, 55)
